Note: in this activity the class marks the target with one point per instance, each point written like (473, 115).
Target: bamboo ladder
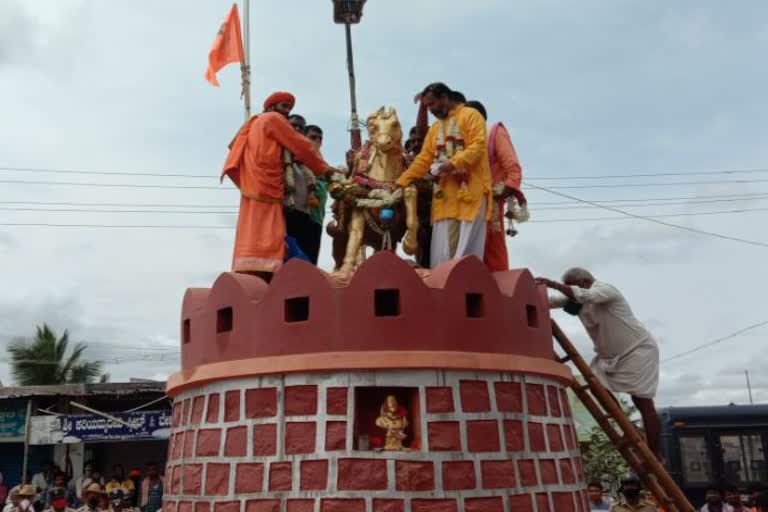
(626, 438)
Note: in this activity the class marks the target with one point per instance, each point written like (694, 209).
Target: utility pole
(348, 13)
(246, 66)
(749, 386)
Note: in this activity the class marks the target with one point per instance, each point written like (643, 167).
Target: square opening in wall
(475, 306)
(387, 302)
(224, 320)
(186, 331)
(387, 418)
(532, 313)
(296, 309)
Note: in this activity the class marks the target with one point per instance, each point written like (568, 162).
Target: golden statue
(367, 211)
(395, 423)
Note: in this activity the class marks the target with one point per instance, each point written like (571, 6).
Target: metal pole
(247, 55)
(354, 121)
(25, 464)
(749, 387)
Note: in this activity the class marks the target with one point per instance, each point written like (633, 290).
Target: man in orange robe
(255, 165)
(506, 175)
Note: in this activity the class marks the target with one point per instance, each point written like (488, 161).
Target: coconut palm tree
(44, 361)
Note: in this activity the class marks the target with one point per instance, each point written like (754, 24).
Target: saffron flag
(227, 47)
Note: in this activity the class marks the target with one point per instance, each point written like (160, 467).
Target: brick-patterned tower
(281, 384)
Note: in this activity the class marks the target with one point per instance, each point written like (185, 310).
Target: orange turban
(279, 97)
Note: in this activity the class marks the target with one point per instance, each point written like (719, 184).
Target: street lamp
(349, 12)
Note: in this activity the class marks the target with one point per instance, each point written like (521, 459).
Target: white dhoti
(636, 372)
(452, 238)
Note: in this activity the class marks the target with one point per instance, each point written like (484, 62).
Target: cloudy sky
(586, 88)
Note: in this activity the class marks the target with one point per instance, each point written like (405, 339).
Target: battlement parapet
(458, 315)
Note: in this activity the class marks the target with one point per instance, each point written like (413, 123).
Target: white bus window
(743, 458)
(697, 465)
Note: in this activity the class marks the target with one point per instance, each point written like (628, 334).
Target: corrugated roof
(106, 389)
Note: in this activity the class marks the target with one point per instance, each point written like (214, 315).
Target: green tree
(45, 360)
(602, 461)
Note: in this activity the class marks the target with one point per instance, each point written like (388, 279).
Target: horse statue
(367, 211)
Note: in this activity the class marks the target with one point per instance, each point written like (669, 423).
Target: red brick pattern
(265, 439)
(232, 405)
(459, 475)
(300, 400)
(362, 474)
(336, 401)
(483, 436)
(300, 437)
(236, 444)
(280, 476)
(444, 436)
(490, 445)
(314, 475)
(335, 435)
(249, 478)
(414, 476)
(474, 396)
(439, 399)
(212, 414)
(260, 403)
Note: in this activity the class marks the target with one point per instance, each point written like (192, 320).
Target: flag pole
(246, 66)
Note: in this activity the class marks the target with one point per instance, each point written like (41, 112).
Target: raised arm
(507, 158)
(281, 130)
(596, 294)
(473, 130)
(420, 165)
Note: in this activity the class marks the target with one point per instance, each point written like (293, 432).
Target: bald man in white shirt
(626, 353)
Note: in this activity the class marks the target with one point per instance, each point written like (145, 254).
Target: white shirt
(609, 320)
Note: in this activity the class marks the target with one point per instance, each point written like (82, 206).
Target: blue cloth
(293, 250)
(602, 506)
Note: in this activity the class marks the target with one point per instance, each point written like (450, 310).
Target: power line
(159, 174)
(86, 210)
(538, 204)
(132, 226)
(234, 212)
(656, 221)
(527, 184)
(644, 205)
(646, 175)
(110, 185)
(687, 214)
(668, 184)
(183, 174)
(641, 199)
(716, 341)
(117, 205)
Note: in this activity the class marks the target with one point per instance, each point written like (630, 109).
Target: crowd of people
(275, 161)
(633, 499)
(52, 490)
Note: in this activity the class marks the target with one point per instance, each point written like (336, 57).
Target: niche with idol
(387, 419)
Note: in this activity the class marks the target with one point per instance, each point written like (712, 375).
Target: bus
(718, 446)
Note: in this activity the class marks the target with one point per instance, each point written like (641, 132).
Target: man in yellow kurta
(456, 155)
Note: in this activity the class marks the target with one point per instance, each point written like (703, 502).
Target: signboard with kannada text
(12, 422)
(144, 425)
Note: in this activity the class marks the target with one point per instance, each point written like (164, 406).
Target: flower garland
(448, 142)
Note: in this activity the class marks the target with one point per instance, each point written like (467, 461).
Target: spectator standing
(632, 497)
(93, 495)
(59, 500)
(3, 490)
(119, 480)
(715, 503)
(151, 490)
(595, 495)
